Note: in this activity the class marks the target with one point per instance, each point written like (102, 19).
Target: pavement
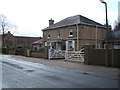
(75, 66)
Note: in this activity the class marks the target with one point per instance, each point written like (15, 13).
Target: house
(114, 39)
(72, 33)
(12, 41)
(25, 42)
(9, 40)
(37, 45)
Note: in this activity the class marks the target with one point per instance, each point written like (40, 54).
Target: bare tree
(117, 25)
(5, 25)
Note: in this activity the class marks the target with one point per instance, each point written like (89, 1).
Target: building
(73, 33)
(114, 39)
(11, 41)
(25, 42)
(37, 45)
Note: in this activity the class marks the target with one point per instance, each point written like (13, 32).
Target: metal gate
(53, 54)
(75, 55)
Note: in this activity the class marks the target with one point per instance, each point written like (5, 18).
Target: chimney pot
(8, 31)
(51, 22)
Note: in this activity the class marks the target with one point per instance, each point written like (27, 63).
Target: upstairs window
(70, 32)
(49, 35)
(58, 34)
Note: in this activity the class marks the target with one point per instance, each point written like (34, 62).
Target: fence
(75, 55)
(98, 57)
(56, 54)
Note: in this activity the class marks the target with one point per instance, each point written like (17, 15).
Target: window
(116, 46)
(58, 34)
(47, 43)
(70, 45)
(70, 31)
(98, 45)
(104, 46)
(49, 35)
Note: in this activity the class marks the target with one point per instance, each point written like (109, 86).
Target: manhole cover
(86, 73)
(29, 70)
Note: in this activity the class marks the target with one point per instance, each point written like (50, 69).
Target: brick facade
(87, 35)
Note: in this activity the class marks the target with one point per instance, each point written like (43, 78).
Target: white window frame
(104, 45)
(98, 45)
(58, 34)
(48, 35)
(115, 46)
(68, 45)
(70, 31)
(45, 43)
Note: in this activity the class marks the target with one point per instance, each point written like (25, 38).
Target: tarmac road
(25, 74)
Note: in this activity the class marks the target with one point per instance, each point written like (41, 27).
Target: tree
(109, 28)
(5, 25)
(117, 25)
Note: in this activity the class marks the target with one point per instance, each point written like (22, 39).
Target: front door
(58, 45)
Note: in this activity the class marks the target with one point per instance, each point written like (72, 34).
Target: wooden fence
(98, 57)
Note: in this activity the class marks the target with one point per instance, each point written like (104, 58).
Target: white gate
(52, 53)
(77, 55)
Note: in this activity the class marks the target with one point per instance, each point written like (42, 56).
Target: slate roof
(22, 39)
(38, 41)
(114, 36)
(77, 19)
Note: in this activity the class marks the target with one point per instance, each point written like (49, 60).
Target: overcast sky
(31, 16)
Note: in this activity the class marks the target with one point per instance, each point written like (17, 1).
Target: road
(24, 74)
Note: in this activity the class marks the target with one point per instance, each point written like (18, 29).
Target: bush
(20, 51)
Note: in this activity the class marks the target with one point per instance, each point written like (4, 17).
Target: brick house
(37, 45)
(12, 41)
(72, 33)
(9, 40)
(25, 42)
(114, 39)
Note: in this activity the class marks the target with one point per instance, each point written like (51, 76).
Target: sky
(31, 16)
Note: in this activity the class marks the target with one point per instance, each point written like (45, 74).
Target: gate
(54, 54)
(77, 55)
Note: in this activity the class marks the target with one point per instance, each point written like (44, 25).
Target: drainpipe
(77, 37)
(96, 36)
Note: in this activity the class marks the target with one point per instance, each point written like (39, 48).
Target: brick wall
(40, 54)
(85, 31)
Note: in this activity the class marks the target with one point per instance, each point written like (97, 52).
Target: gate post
(66, 55)
(87, 54)
(49, 53)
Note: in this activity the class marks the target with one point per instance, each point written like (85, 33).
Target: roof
(38, 41)
(114, 36)
(6, 34)
(27, 39)
(77, 19)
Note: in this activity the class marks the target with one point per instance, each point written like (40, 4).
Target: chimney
(9, 32)
(51, 22)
